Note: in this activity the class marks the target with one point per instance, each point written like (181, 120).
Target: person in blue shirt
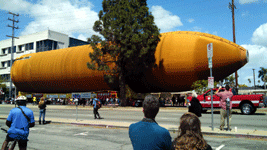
(147, 134)
(96, 107)
(18, 124)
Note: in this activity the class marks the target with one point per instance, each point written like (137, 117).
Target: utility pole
(12, 47)
(232, 6)
(254, 78)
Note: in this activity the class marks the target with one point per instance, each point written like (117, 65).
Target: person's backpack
(98, 104)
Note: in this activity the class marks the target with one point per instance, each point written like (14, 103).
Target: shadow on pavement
(47, 122)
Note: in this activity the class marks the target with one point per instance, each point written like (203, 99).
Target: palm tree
(230, 80)
(262, 75)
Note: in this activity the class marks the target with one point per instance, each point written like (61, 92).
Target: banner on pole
(210, 82)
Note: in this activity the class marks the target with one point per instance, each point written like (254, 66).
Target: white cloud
(82, 37)
(190, 20)
(15, 6)
(260, 35)
(257, 59)
(65, 16)
(164, 19)
(247, 1)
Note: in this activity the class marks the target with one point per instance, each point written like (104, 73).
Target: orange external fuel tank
(181, 59)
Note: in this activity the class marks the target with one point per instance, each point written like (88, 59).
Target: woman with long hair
(189, 134)
(42, 107)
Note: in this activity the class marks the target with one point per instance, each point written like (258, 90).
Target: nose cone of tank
(181, 59)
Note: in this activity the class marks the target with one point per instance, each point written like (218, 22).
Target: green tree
(200, 86)
(242, 85)
(230, 80)
(128, 42)
(249, 81)
(263, 75)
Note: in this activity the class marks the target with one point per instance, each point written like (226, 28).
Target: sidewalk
(117, 124)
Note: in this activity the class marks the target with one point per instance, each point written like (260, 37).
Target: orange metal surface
(181, 59)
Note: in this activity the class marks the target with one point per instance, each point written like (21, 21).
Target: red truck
(248, 104)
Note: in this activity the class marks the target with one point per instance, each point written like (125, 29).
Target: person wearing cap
(96, 107)
(19, 120)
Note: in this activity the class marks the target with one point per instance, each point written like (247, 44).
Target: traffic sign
(210, 82)
(210, 50)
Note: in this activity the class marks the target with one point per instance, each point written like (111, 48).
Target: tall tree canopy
(263, 75)
(200, 86)
(128, 42)
(230, 80)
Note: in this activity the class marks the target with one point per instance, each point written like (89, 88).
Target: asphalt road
(166, 116)
(72, 137)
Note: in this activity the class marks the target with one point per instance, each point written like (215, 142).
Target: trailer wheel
(247, 109)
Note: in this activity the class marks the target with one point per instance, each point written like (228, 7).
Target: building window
(55, 46)
(4, 50)
(20, 48)
(3, 64)
(31, 46)
(26, 47)
(9, 50)
(9, 63)
(45, 45)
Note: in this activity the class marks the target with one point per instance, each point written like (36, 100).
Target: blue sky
(76, 18)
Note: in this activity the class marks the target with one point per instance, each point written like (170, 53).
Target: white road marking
(37, 129)
(83, 133)
(220, 147)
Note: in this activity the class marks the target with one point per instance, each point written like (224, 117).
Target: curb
(236, 135)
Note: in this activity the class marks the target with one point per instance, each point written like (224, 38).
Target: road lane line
(37, 129)
(83, 133)
(220, 147)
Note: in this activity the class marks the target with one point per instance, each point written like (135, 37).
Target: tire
(247, 109)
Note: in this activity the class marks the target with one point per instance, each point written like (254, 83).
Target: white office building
(33, 43)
